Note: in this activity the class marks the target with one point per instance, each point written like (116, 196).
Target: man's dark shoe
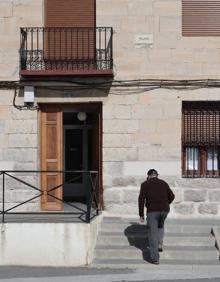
(160, 248)
(155, 262)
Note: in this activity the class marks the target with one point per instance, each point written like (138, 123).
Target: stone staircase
(123, 243)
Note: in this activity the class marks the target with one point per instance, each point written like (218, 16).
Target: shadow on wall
(137, 237)
(69, 88)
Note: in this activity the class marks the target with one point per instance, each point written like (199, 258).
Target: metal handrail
(90, 201)
(66, 48)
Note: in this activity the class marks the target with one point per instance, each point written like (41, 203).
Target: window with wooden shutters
(201, 139)
(200, 18)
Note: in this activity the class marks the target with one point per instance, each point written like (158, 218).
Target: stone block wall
(15, 14)
(140, 131)
(18, 129)
(148, 41)
(18, 151)
(143, 131)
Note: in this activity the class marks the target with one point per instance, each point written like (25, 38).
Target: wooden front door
(51, 157)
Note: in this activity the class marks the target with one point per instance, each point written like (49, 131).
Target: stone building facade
(141, 126)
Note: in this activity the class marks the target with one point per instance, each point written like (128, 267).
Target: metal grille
(66, 48)
(201, 139)
(200, 18)
(201, 124)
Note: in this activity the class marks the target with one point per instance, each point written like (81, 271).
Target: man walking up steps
(156, 195)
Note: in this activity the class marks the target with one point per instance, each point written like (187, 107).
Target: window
(192, 158)
(201, 139)
(70, 31)
(200, 18)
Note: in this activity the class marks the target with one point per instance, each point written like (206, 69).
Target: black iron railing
(66, 48)
(19, 179)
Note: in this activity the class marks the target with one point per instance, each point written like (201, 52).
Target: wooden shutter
(69, 13)
(200, 18)
(67, 44)
(51, 144)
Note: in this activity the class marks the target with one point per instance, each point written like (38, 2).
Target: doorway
(77, 146)
(77, 143)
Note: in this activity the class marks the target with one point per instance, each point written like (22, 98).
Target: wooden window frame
(201, 130)
(202, 170)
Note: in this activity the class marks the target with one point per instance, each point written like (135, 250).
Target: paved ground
(84, 274)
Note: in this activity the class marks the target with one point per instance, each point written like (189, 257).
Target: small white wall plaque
(144, 40)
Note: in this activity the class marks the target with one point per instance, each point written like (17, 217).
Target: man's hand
(141, 219)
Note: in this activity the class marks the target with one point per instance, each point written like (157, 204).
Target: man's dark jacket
(156, 195)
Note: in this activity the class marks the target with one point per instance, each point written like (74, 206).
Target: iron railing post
(89, 201)
(3, 197)
(111, 58)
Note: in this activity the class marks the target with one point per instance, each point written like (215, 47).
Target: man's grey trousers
(155, 230)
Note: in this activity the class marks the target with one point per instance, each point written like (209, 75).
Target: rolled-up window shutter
(200, 18)
(201, 124)
(68, 44)
(71, 13)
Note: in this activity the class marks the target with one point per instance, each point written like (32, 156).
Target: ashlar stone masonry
(141, 129)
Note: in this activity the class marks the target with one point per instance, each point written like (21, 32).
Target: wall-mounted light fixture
(29, 96)
(82, 116)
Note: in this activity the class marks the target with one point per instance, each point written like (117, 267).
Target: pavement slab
(85, 274)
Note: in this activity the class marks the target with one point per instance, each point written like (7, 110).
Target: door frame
(90, 106)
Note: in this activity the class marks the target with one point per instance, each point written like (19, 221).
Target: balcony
(66, 51)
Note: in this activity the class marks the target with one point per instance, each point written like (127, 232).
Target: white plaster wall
(48, 244)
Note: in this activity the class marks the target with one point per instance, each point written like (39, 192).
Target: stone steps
(170, 240)
(144, 234)
(124, 242)
(137, 253)
(137, 263)
(134, 227)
